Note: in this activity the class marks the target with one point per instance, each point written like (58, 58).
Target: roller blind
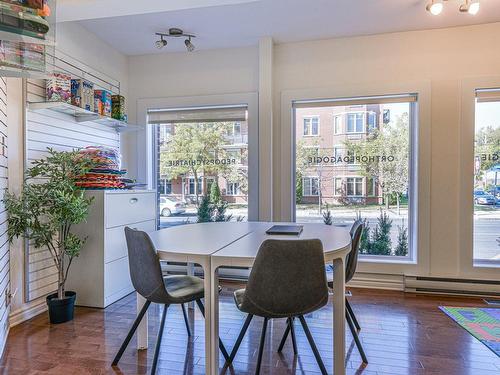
(203, 114)
(488, 95)
(403, 98)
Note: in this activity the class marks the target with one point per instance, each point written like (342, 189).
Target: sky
(487, 114)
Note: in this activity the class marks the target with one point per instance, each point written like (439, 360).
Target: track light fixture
(435, 7)
(175, 33)
(160, 43)
(470, 6)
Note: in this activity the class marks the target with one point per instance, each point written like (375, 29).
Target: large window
(201, 153)
(365, 175)
(486, 194)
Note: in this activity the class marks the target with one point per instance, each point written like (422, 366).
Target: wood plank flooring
(402, 334)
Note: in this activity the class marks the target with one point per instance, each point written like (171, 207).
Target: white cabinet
(100, 275)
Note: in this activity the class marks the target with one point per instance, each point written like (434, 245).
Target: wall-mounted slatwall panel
(46, 128)
(4, 243)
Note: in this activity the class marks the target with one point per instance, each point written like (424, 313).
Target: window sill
(486, 264)
(386, 259)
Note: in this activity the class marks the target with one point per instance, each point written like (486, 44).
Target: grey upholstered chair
(287, 280)
(352, 261)
(149, 282)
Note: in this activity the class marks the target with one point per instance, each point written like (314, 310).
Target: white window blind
(198, 115)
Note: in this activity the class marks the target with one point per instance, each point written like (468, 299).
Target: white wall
(441, 58)
(80, 44)
(184, 74)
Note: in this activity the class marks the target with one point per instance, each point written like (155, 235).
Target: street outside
(486, 223)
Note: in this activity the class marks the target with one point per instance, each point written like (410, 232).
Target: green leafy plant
(381, 241)
(205, 210)
(402, 246)
(327, 216)
(49, 205)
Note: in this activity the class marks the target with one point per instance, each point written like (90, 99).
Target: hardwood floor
(401, 334)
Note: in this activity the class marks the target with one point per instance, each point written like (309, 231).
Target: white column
(265, 129)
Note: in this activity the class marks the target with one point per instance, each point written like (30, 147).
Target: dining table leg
(208, 282)
(142, 329)
(190, 272)
(338, 317)
(214, 338)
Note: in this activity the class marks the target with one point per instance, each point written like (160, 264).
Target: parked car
(482, 197)
(170, 206)
(495, 191)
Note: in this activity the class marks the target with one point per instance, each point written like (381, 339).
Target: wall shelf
(82, 115)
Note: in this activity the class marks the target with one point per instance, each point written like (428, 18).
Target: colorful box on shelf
(59, 88)
(118, 107)
(102, 102)
(82, 94)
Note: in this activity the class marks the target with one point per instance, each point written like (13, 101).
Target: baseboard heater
(459, 287)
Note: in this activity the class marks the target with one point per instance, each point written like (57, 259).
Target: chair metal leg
(351, 313)
(356, 337)
(313, 345)
(240, 338)
(292, 331)
(261, 346)
(285, 336)
(184, 312)
(131, 333)
(221, 345)
(158, 340)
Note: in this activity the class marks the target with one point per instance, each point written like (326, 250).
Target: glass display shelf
(82, 115)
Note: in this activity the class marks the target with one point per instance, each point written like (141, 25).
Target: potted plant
(44, 212)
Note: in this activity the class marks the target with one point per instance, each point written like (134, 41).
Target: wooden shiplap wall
(4, 243)
(61, 132)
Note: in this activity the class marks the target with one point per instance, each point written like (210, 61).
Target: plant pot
(61, 310)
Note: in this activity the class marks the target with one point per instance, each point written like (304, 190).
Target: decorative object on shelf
(25, 18)
(27, 38)
(435, 7)
(118, 107)
(45, 212)
(102, 102)
(82, 94)
(58, 88)
(106, 173)
(175, 33)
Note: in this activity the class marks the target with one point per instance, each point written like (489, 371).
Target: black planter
(61, 310)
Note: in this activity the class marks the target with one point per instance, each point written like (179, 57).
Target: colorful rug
(482, 323)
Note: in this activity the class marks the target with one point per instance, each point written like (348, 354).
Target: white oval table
(214, 245)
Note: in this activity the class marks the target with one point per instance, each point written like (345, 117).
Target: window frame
(339, 118)
(310, 178)
(421, 116)
(469, 267)
(310, 128)
(363, 122)
(359, 180)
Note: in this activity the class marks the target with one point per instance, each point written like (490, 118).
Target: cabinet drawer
(116, 245)
(123, 209)
(116, 277)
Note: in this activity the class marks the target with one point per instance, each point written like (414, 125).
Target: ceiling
(239, 23)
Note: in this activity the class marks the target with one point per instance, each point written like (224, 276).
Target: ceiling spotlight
(189, 45)
(435, 7)
(175, 32)
(160, 43)
(470, 6)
